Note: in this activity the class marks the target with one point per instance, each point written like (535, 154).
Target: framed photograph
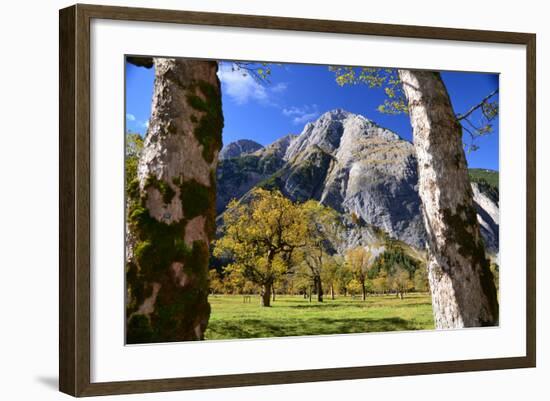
(250, 200)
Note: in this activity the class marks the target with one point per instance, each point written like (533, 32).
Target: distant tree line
(270, 245)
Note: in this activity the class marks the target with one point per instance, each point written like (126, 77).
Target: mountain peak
(340, 115)
(337, 130)
(239, 148)
(354, 166)
(336, 114)
(277, 148)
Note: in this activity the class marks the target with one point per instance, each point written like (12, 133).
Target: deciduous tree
(171, 208)
(260, 236)
(421, 283)
(461, 282)
(360, 260)
(322, 231)
(331, 272)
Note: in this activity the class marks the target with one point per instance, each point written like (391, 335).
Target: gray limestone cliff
(348, 162)
(239, 148)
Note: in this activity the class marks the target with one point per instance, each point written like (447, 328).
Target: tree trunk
(273, 291)
(310, 292)
(319, 289)
(171, 216)
(363, 291)
(332, 292)
(461, 283)
(265, 298)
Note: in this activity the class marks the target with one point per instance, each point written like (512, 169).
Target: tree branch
(477, 106)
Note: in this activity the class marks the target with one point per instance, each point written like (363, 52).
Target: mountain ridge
(350, 163)
(239, 148)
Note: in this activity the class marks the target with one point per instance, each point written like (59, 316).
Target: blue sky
(299, 93)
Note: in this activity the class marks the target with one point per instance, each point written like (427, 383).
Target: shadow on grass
(325, 305)
(256, 328)
(401, 303)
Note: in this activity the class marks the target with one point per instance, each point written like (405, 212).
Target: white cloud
(291, 111)
(278, 88)
(241, 87)
(305, 117)
(130, 117)
(303, 114)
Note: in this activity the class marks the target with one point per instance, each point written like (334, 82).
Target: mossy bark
(171, 207)
(461, 283)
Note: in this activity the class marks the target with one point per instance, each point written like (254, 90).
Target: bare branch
(258, 71)
(477, 106)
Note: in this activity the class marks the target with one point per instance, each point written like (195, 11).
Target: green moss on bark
(459, 222)
(139, 330)
(163, 187)
(210, 214)
(195, 262)
(132, 190)
(206, 99)
(159, 244)
(195, 198)
(200, 200)
(181, 308)
(473, 250)
(133, 287)
(178, 311)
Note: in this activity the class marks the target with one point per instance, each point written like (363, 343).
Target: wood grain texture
(531, 229)
(67, 295)
(82, 200)
(300, 24)
(301, 376)
(74, 199)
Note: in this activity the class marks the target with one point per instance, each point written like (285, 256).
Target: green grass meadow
(231, 318)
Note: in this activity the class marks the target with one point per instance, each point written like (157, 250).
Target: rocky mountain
(239, 148)
(348, 162)
(486, 201)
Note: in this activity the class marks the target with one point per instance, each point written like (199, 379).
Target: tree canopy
(260, 236)
(396, 102)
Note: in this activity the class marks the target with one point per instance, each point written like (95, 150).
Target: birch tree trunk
(461, 283)
(171, 217)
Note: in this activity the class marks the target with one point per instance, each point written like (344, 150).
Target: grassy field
(295, 316)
